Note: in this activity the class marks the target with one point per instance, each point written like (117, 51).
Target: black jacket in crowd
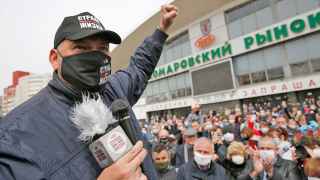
(237, 172)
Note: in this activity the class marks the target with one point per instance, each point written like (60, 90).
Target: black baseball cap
(83, 25)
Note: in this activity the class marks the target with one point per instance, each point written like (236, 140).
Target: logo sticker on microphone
(110, 147)
(117, 143)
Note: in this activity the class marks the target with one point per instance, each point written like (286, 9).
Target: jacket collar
(63, 90)
(278, 162)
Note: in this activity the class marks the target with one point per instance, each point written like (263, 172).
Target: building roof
(188, 13)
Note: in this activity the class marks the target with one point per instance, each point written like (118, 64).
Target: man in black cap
(38, 139)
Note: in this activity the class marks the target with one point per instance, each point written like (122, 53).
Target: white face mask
(264, 130)
(266, 154)
(277, 141)
(228, 137)
(202, 160)
(237, 159)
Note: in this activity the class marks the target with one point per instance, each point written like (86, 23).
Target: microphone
(104, 135)
(120, 110)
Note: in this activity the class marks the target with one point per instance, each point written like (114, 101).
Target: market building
(225, 53)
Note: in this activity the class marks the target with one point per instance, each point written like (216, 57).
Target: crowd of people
(279, 141)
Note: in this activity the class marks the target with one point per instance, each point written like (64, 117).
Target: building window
(188, 91)
(176, 48)
(244, 79)
(258, 77)
(315, 65)
(299, 69)
(275, 73)
(248, 17)
(245, 10)
(181, 92)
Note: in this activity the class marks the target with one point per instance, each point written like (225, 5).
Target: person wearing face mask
(163, 138)
(202, 166)
(222, 149)
(195, 114)
(292, 128)
(38, 140)
(162, 158)
(184, 152)
(237, 163)
(207, 128)
(264, 127)
(281, 122)
(275, 134)
(267, 165)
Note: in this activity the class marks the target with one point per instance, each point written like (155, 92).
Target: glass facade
(175, 86)
(176, 48)
(300, 55)
(168, 88)
(293, 58)
(258, 14)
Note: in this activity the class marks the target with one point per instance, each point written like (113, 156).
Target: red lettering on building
(297, 85)
(263, 90)
(284, 87)
(254, 92)
(312, 83)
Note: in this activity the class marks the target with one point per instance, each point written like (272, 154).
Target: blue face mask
(86, 71)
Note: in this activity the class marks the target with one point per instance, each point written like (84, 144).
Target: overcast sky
(28, 28)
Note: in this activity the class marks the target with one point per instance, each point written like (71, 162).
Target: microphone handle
(127, 126)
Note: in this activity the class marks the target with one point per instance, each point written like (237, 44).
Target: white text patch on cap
(88, 21)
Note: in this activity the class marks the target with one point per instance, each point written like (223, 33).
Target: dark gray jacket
(181, 156)
(169, 174)
(190, 171)
(283, 170)
(38, 140)
(194, 117)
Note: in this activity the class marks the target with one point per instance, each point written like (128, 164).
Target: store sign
(276, 87)
(185, 64)
(282, 31)
(288, 29)
(207, 39)
(184, 102)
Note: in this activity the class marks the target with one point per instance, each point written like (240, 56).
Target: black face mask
(244, 138)
(86, 71)
(163, 140)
